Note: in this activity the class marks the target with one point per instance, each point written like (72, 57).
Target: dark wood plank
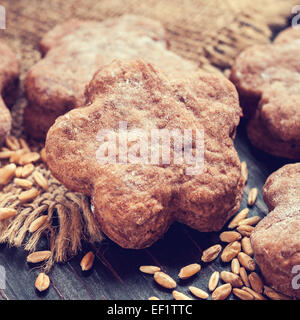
(115, 274)
(101, 282)
(126, 263)
(19, 278)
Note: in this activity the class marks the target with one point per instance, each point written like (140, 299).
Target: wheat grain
(188, 271)
(40, 180)
(222, 292)
(42, 282)
(245, 230)
(246, 246)
(23, 183)
(230, 236)
(244, 276)
(12, 143)
(28, 195)
(239, 217)
(256, 282)
(199, 293)
(7, 173)
(235, 266)
(7, 213)
(231, 278)
(164, 280)
(252, 221)
(27, 170)
(242, 294)
(180, 296)
(252, 196)
(211, 253)
(213, 281)
(38, 256)
(16, 156)
(43, 155)
(37, 223)
(246, 261)
(87, 261)
(230, 251)
(244, 171)
(29, 157)
(149, 269)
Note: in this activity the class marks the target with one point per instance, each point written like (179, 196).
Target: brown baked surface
(9, 71)
(136, 203)
(75, 50)
(288, 35)
(276, 239)
(269, 76)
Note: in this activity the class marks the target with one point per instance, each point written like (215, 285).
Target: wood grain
(115, 274)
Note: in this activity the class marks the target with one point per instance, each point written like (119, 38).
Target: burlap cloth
(211, 33)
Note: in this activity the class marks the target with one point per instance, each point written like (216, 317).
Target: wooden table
(115, 273)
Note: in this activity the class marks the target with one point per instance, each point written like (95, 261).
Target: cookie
(75, 50)
(288, 35)
(276, 239)
(9, 71)
(267, 78)
(135, 200)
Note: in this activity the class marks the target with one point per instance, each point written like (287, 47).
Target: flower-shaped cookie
(75, 50)
(135, 200)
(276, 239)
(268, 80)
(9, 71)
